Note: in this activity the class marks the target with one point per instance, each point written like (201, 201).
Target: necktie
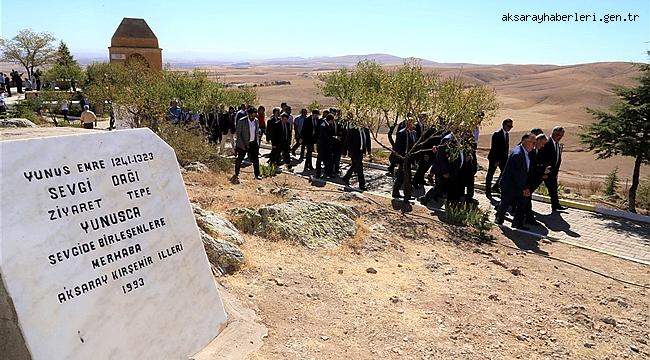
(557, 153)
(507, 141)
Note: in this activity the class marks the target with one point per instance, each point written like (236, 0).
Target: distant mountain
(187, 61)
(349, 60)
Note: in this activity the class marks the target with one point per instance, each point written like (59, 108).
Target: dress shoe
(396, 195)
(363, 188)
(422, 200)
(499, 221)
(346, 182)
(559, 208)
(258, 177)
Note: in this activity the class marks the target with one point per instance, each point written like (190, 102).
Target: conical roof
(134, 32)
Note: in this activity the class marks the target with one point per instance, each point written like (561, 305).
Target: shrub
(643, 194)
(268, 170)
(611, 182)
(191, 145)
(542, 190)
(468, 215)
(27, 109)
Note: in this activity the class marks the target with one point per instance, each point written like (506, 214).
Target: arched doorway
(137, 58)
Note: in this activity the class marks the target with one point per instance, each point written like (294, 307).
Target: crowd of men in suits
(245, 128)
(419, 148)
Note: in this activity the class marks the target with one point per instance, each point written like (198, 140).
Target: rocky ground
(409, 286)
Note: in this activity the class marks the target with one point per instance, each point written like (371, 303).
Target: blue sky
(443, 31)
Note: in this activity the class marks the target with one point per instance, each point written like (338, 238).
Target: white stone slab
(169, 308)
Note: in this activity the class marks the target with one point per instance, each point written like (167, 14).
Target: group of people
(16, 78)
(536, 159)
(419, 148)
(243, 129)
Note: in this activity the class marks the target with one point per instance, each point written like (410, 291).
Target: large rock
(220, 240)
(224, 256)
(310, 223)
(197, 166)
(16, 122)
(216, 225)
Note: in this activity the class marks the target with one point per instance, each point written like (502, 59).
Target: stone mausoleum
(134, 40)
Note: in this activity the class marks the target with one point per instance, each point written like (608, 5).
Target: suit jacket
(281, 135)
(404, 141)
(271, 126)
(443, 163)
(243, 134)
(515, 175)
(325, 137)
(339, 132)
(549, 157)
(309, 133)
(353, 141)
(498, 146)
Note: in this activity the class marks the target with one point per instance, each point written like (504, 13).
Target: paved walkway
(614, 236)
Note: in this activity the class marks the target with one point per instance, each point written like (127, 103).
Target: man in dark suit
(393, 159)
(248, 142)
(551, 155)
(429, 140)
(309, 136)
(538, 171)
(468, 170)
(499, 147)
(272, 126)
(514, 182)
(357, 142)
(325, 137)
(447, 166)
(404, 142)
(282, 134)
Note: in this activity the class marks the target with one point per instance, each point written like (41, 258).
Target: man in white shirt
(248, 143)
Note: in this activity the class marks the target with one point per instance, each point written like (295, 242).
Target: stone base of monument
(242, 336)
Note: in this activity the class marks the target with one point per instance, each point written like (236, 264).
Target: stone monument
(100, 255)
(134, 40)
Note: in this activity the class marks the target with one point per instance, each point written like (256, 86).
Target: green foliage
(191, 145)
(468, 215)
(314, 105)
(268, 170)
(65, 69)
(144, 95)
(377, 98)
(611, 182)
(28, 48)
(643, 194)
(28, 109)
(542, 190)
(625, 129)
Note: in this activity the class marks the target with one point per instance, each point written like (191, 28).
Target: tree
(371, 96)
(144, 95)
(625, 130)
(139, 94)
(28, 48)
(65, 67)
